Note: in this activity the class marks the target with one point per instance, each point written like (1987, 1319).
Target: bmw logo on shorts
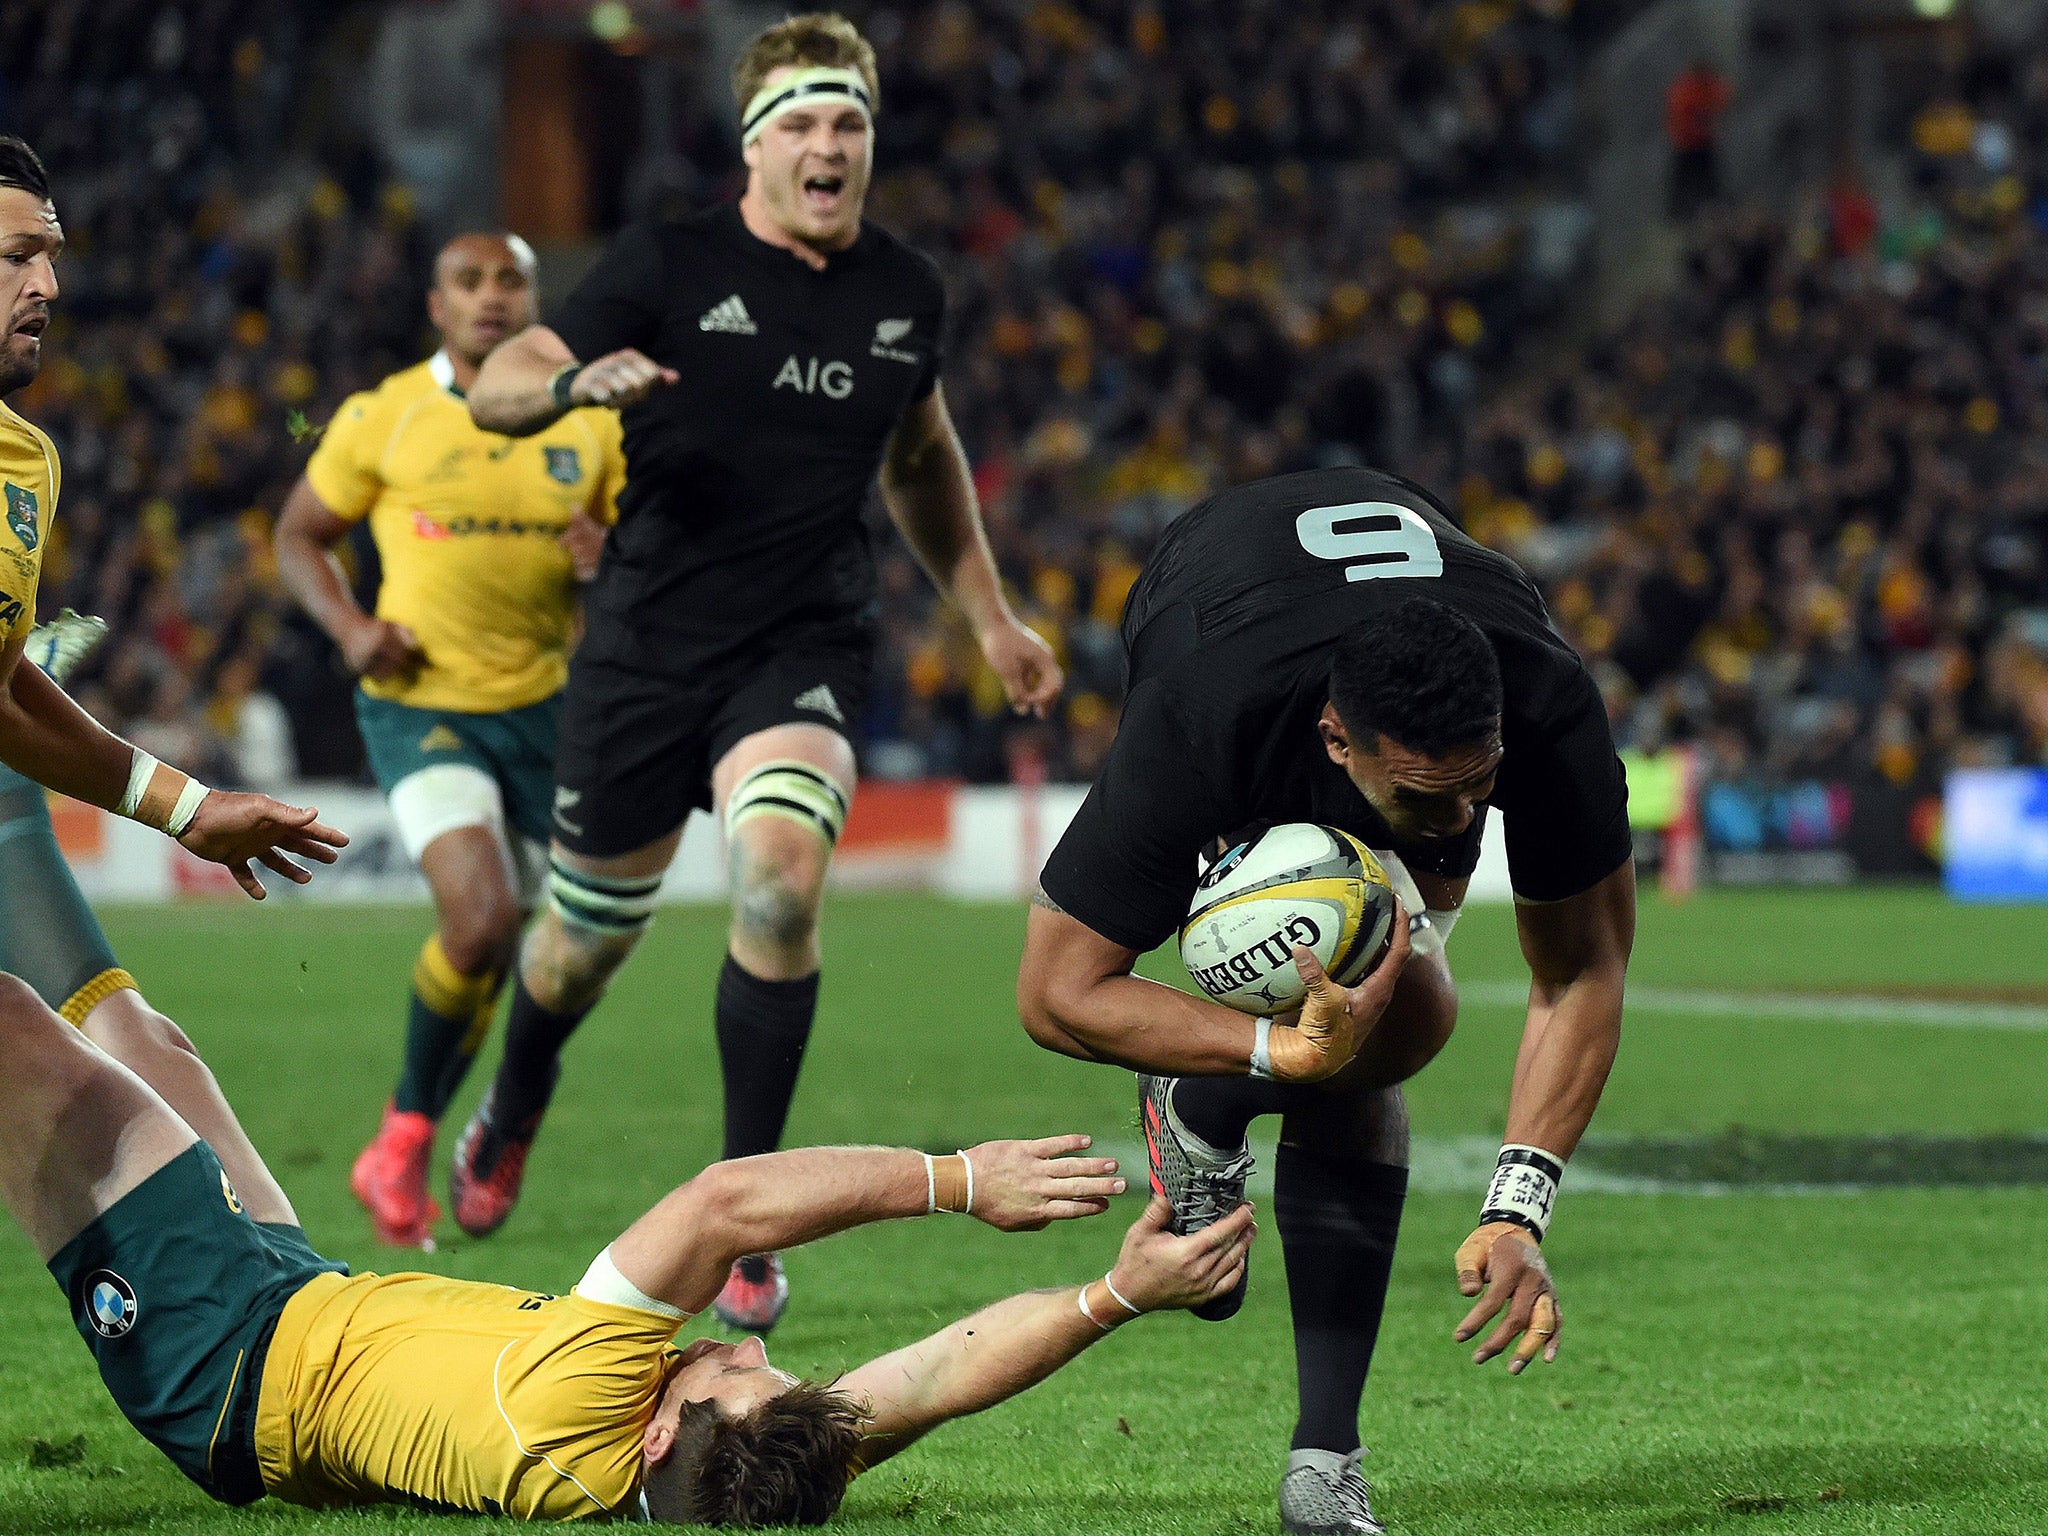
(109, 1303)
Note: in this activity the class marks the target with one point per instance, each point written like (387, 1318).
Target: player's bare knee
(566, 968)
(775, 908)
(591, 924)
(481, 936)
(19, 1004)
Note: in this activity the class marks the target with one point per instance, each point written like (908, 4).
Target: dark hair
(22, 167)
(787, 1462)
(1420, 673)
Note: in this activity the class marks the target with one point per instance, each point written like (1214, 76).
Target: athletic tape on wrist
(158, 795)
(949, 1188)
(186, 808)
(1119, 1297)
(1524, 1189)
(1262, 1049)
(1081, 1301)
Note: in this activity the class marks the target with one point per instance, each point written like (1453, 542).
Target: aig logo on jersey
(109, 1303)
(833, 380)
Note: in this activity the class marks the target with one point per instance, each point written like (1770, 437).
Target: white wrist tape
(1122, 1300)
(1081, 1301)
(1262, 1049)
(159, 796)
(141, 766)
(931, 1184)
(1524, 1189)
(602, 1282)
(968, 1163)
(186, 808)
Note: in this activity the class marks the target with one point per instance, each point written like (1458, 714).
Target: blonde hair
(823, 38)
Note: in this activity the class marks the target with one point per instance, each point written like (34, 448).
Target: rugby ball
(1293, 884)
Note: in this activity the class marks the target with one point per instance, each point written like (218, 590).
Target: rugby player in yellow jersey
(260, 1368)
(44, 736)
(462, 663)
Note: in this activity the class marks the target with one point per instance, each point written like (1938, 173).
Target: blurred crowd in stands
(222, 279)
(1795, 512)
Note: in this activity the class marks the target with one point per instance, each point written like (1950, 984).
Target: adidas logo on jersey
(730, 316)
(820, 699)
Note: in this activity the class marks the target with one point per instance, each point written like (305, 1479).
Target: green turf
(1863, 1363)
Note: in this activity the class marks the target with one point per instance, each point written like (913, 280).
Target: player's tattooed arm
(1014, 1344)
(1040, 899)
(532, 379)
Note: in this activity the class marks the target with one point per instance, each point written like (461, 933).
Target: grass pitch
(1745, 1359)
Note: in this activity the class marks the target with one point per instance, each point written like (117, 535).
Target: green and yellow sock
(445, 1027)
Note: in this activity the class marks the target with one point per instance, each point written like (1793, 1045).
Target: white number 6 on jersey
(1392, 541)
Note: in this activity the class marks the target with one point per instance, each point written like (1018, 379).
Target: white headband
(801, 89)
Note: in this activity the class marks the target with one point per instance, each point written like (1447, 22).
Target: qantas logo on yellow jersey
(434, 531)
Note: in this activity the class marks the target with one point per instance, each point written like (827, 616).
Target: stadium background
(1728, 320)
(1766, 424)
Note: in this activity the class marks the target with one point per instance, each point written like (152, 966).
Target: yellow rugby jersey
(460, 1395)
(468, 526)
(28, 484)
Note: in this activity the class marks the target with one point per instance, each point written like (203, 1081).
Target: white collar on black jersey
(442, 367)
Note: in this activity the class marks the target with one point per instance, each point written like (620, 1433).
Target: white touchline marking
(1854, 1008)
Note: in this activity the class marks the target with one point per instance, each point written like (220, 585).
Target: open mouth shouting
(824, 192)
(31, 325)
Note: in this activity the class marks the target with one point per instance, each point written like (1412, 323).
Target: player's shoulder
(25, 438)
(904, 262)
(389, 396)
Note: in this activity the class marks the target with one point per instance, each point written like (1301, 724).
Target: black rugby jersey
(1228, 633)
(746, 479)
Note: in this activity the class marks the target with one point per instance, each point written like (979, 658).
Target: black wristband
(560, 387)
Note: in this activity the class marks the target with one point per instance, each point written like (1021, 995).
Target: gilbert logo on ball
(109, 1303)
(1300, 884)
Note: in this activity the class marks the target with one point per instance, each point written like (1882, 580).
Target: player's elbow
(718, 1209)
(1046, 1019)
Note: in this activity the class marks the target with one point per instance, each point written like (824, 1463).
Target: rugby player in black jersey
(1329, 647)
(769, 357)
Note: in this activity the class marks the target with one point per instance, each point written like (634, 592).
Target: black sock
(434, 1060)
(534, 1037)
(1218, 1109)
(1338, 1222)
(763, 1027)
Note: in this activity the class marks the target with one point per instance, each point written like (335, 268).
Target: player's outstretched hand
(233, 829)
(1031, 677)
(621, 378)
(1334, 1021)
(1157, 1270)
(1506, 1260)
(1020, 1186)
(381, 650)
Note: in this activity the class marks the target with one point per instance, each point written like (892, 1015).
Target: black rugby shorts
(637, 748)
